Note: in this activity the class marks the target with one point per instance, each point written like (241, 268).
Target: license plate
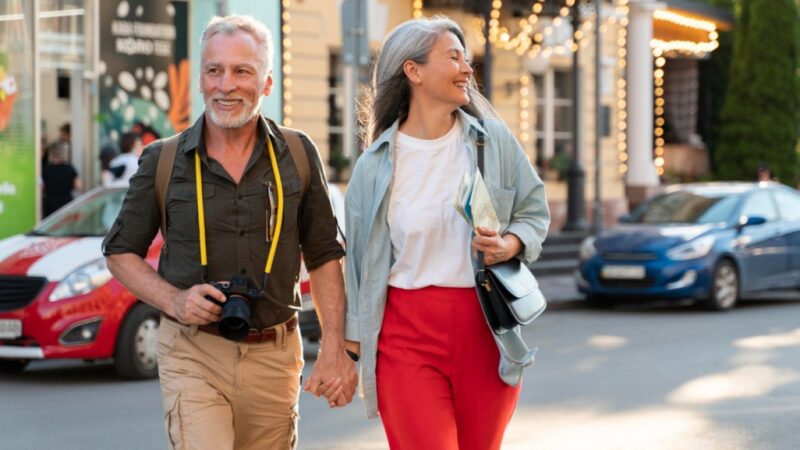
(10, 329)
(623, 272)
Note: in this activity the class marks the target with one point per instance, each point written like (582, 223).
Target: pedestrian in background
(123, 166)
(59, 179)
(763, 173)
(107, 154)
(429, 362)
(64, 143)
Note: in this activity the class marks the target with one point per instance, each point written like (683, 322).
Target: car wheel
(13, 365)
(724, 287)
(135, 355)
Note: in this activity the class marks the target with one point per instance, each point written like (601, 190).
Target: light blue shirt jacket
(517, 194)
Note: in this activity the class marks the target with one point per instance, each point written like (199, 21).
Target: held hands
(191, 307)
(496, 248)
(333, 376)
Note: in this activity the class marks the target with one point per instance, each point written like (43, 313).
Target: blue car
(712, 242)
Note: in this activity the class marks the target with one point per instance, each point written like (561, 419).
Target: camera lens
(234, 324)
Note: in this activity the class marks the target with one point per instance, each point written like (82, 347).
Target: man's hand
(191, 307)
(333, 376)
(496, 248)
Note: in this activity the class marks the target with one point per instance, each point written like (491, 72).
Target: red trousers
(438, 386)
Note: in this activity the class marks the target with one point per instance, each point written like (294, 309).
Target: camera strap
(201, 220)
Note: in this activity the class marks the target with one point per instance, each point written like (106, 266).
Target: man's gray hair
(233, 23)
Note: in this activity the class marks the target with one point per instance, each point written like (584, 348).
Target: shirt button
(243, 270)
(241, 196)
(241, 232)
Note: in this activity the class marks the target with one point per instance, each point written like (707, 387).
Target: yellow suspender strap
(279, 186)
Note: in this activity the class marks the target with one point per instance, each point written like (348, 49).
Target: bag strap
(299, 156)
(166, 162)
(481, 140)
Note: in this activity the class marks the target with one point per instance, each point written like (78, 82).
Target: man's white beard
(234, 120)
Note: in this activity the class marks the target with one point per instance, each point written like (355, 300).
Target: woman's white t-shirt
(430, 240)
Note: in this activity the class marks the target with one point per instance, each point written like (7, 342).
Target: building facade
(106, 67)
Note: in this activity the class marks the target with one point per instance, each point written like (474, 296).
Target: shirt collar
(468, 121)
(192, 137)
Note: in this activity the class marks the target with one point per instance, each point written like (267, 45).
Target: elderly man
(236, 203)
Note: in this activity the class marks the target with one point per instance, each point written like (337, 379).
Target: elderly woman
(429, 363)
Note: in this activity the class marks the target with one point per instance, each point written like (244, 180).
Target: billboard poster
(17, 134)
(144, 66)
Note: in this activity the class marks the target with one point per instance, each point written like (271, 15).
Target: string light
(622, 114)
(686, 47)
(286, 66)
(417, 9)
(658, 130)
(524, 109)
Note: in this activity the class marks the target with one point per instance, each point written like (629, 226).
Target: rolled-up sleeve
(139, 219)
(317, 222)
(530, 216)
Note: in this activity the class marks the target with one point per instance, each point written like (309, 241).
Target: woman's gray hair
(250, 25)
(390, 92)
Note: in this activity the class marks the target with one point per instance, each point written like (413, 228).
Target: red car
(58, 299)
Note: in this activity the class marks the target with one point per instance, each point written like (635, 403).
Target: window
(554, 121)
(788, 205)
(760, 204)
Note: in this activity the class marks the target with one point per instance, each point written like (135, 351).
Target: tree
(714, 76)
(762, 103)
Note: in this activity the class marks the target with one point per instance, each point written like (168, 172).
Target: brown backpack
(166, 162)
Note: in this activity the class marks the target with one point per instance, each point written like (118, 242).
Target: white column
(641, 170)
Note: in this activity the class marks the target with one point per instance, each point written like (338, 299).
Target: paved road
(635, 377)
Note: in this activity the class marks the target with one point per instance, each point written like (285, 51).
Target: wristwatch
(353, 355)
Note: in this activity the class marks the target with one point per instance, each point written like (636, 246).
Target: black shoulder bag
(508, 292)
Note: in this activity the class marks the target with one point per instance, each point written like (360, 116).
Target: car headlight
(83, 280)
(692, 249)
(587, 248)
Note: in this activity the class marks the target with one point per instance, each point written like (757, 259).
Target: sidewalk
(559, 289)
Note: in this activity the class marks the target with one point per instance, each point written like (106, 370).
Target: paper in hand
(474, 204)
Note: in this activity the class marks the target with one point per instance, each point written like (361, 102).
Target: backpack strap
(299, 156)
(166, 162)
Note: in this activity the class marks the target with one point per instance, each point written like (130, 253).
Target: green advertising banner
(17, 132)
(145, 69)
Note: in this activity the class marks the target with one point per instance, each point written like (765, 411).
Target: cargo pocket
(174, 423)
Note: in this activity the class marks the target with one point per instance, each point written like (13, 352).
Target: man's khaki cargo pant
(224, 395)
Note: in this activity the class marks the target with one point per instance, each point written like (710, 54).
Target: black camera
(234, 323)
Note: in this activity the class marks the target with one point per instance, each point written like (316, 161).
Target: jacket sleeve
(356, 238)
(530, 216)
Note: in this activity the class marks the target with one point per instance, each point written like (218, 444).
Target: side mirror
(747, 221)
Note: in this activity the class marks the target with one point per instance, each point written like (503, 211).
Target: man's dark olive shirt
(235, 220)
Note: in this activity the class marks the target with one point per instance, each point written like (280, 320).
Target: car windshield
(687, 207)
(89, 215)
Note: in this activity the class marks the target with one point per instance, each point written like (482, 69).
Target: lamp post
(576, 175)
(597, 210)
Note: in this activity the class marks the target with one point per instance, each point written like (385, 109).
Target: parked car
(712, 242)
(58, 299)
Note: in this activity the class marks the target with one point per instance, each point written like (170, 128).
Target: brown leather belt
(254, 336)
